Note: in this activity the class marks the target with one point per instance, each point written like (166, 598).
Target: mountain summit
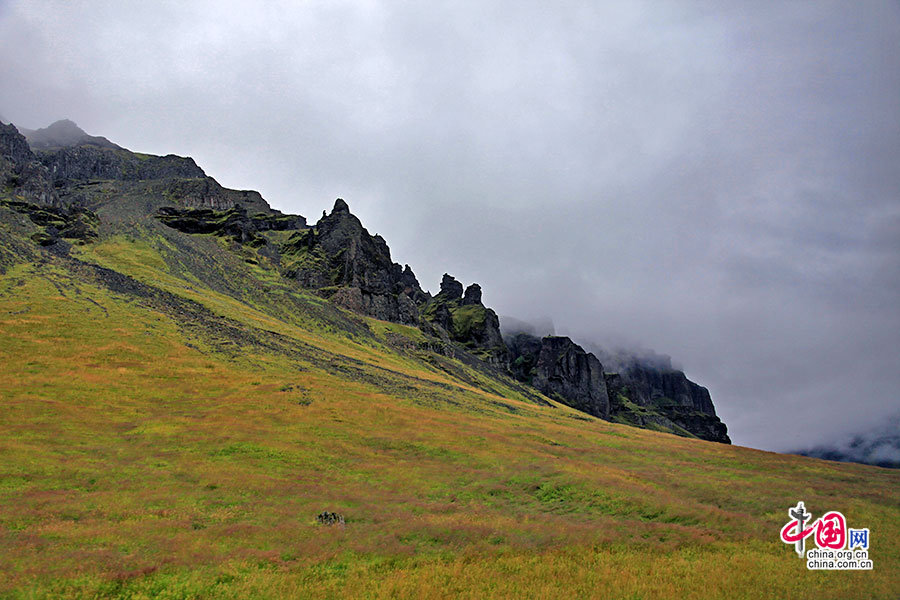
(62, 134)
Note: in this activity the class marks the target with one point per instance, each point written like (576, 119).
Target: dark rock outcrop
(233, 222)
(70, 156)
(648, 393)
(205, 192)
(472, 295)
(21, 175)
(565, 372)
(13, 145)
(438, 313)
(410, 286)
(73, 223)
(330, 518)
(524, 350)
(89, 162)
(338, 252)
(62, 157)
(648, 396)
(451, 289)
(467, 321)
(478, 328)
(646, 388)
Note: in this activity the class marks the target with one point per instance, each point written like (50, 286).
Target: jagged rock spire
(340, 206)
(472, 295)
(451, 289)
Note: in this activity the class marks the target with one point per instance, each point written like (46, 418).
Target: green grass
(142, 456)
(466, 319)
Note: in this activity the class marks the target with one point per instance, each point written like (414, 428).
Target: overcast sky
(718, 184)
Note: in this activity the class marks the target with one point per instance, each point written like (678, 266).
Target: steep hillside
(191, 378)
(338, 259)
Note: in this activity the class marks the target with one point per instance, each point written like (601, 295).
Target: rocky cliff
(647, 394)
(564, 371)
(466, 320)
(647, 397)
(22, 175)
(354, 268)
(233, 222)
(83, 163)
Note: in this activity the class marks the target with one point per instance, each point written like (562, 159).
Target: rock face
(20, 171)
(73, 223)
(561, 369)
(84, 163)
(410, 286)
(59, 158)
(646, 390)
(451, 289)
(472, 295)
(338, 252)
(648, 394)
(205, 192)
(62, 157)
(478, 328)
(70, 156)
(654, 395)
(648, 385)
(13, 145)
(524, 350)
(233, 223)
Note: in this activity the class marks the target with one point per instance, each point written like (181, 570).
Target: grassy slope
(142, 456)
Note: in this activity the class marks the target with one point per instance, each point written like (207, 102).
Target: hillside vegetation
(176, 413)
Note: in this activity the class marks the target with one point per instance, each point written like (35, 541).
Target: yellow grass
(138, 459)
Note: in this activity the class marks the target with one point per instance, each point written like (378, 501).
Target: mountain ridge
(64, 133)
(341, 261)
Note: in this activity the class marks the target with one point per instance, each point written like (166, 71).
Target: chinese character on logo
(830, 529)
(859, 537)
(799, 534)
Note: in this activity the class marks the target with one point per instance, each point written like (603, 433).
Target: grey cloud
(879, 445)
